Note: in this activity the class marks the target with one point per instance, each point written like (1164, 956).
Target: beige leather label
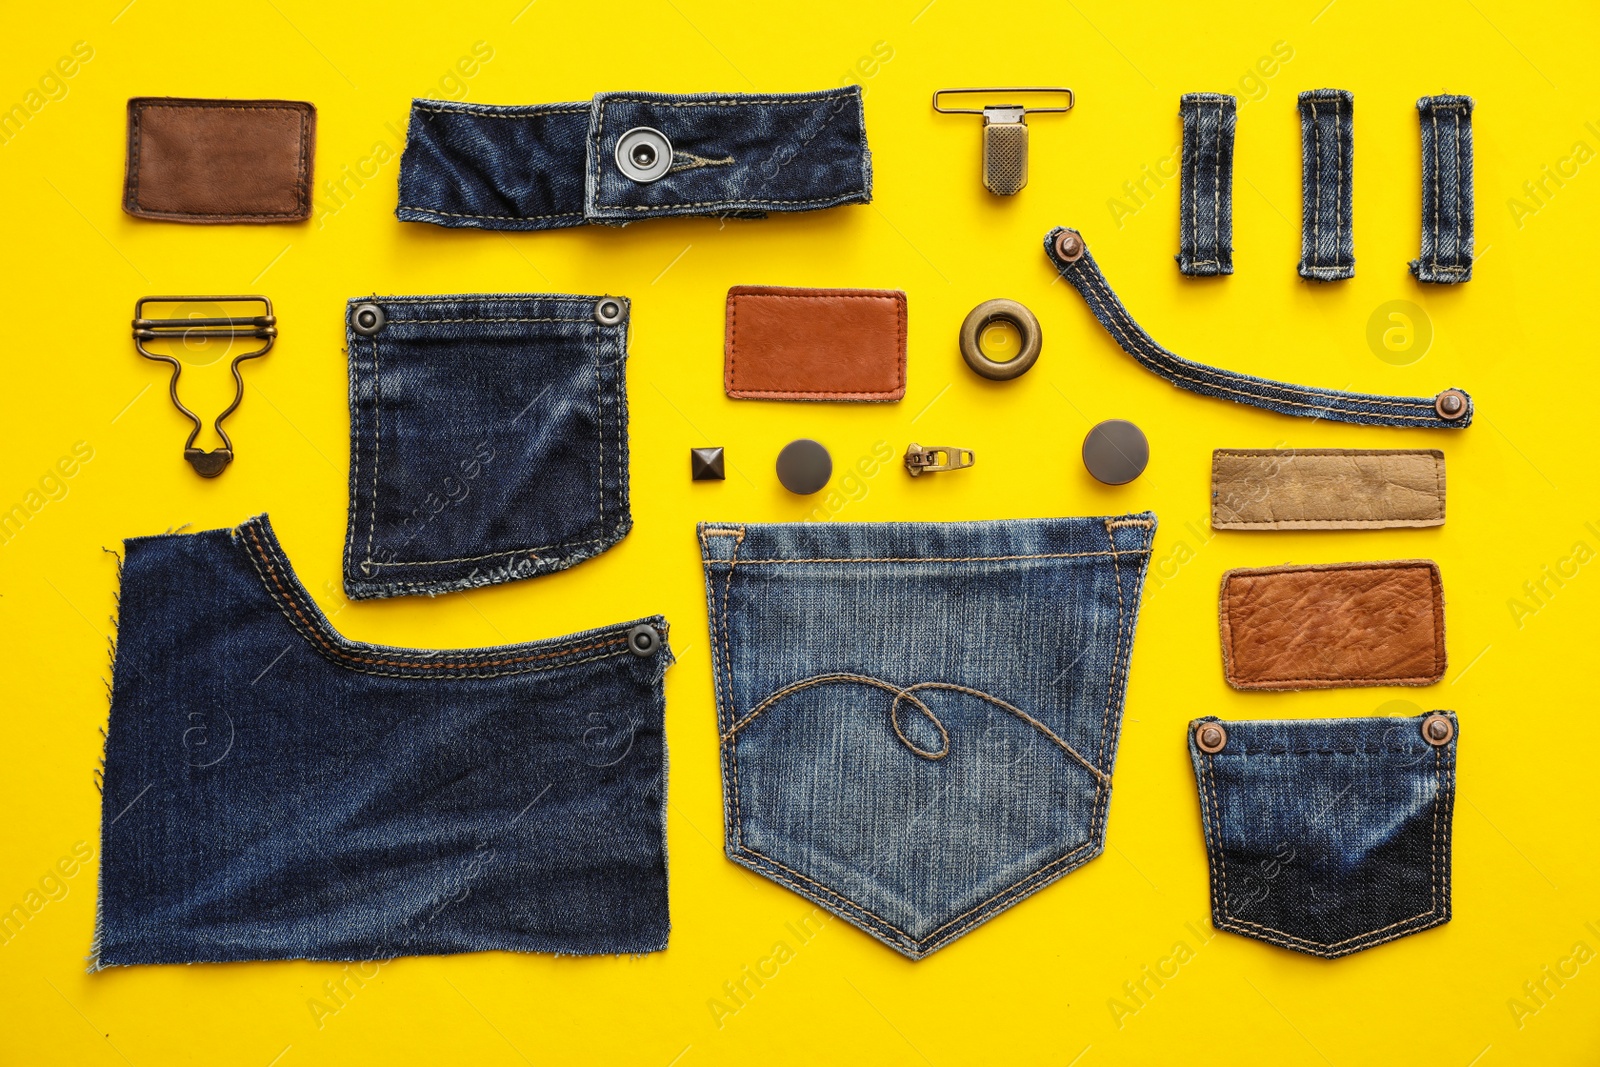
(1333, 624)
(1326, 488)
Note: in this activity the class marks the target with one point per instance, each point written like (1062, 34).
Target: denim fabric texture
(1205, 212)
(489, 440)
(919, 720)
(1327, 836)
(553, 165)
(1327, 150)
(1447, 218)
(1364, 409)
(274, 790)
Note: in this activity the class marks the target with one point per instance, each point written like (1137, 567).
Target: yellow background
(1036, 984)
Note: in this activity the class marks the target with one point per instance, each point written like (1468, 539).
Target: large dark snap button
(1450, 404)
(644, 154)
(1210, 737)
(367, 319)
(1437, 730)
(1031, 339)
(643, 640)
(608, 311)
(804, 466)
(1116, 452)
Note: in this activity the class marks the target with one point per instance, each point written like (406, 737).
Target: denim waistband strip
(546, 166)
(1327, 145)
(489, 438)
(1446, 257)
(1205, 214)
(275, 790)
(1327, 836)
(1361, 408)
(919, 721)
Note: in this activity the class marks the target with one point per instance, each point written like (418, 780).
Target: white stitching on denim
(600, 430)
(1105, 720)
(1438, 186)
(1216, 185)
(515, 218)
(1316, 188)
(377, 444)
(530, 110)
(480, 318)
(489, 555)
(934, 559)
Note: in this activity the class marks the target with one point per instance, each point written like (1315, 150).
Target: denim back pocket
(488, 439)
(1327, 836)
(919, 720)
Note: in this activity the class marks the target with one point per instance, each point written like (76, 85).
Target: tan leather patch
(1333, 624)
(213, 161)
(1326, 488)
(815, 344)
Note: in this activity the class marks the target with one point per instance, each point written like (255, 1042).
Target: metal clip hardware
(263, 327)
(920, 460)
(1005, 134)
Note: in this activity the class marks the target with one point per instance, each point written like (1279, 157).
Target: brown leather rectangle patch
(1326, 488)
(815, 344)
(1333, 624)
(213, 161)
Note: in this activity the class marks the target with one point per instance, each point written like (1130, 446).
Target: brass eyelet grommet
(1027, 326)
(1438, 730)
(1450, 404)
(1210, 737)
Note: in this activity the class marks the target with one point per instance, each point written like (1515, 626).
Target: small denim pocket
(1327, 836)
(919, 720)
(489, 439)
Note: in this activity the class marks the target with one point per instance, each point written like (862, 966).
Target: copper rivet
(1450, 404)
(1211, 737)
(1437, 730)
(1069, 245)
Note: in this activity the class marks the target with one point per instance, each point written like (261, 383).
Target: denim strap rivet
(644, 154)
(1210, 737)
(1069, 245)
(1437, 730)
(367, 319)
(643, 640)
(608, 311)
(1450, 404)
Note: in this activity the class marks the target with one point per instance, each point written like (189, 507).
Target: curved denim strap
(1327, 241)
(1362, 408)
(547, 166)
(1446, 190)
(1205, 216)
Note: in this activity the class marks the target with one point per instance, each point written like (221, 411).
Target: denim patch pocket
(1327, 836)
(488, 439)
(275, 790)
(919, 721)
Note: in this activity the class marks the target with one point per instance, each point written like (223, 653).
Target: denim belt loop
(1327, 240)
(1449, 409)
(1205, 219)
(1446, 257)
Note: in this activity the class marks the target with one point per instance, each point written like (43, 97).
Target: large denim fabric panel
(500, 168)
(1327, 152)
(489, 440)
(1205, 210)
(919, 720)
(1335, 405)
(1447, 215)
(1328, 836)
(274, 790)
(542, 167)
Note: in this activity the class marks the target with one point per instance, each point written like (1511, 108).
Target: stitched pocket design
(1327, 836)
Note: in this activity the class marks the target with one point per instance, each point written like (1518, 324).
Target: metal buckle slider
(920, 460)
(1005, 134)
(263, 327)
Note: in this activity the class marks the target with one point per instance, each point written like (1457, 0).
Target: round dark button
(1116, 452)
(1437, 730)
(367, 319)
(1069, 245)
(608, 311)
(804, 466)
(1450, 404)
(643, 640)
(1210, 737)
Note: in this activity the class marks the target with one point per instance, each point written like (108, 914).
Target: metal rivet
(1437, 730)
(1450, 404)
(643, 640)
(643, 154)
(804, 466)
(1069, 246)
(367, 319)
(608, 311)
(972, 327)
(1116, 452)
(1210, 737)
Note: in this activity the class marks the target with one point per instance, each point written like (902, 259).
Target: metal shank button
(643, 640)
(367, 319)
(643, 154)
(1210, 737)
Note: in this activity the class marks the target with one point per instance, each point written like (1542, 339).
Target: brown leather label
(815, 344)
(212, 161)
(1333, 624)
(1326, 488)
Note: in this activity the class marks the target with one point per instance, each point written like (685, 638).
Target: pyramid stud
(705, 464)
